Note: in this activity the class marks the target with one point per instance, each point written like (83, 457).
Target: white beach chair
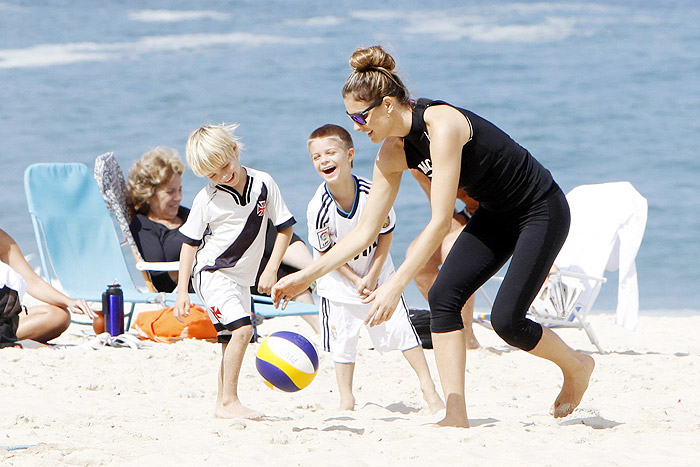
(607, 226)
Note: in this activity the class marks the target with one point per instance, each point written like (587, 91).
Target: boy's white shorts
(341, 324)
(227, 302)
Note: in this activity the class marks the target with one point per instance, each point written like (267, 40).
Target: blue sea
(598, 91)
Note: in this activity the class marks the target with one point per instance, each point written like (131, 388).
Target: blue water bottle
(113, 309)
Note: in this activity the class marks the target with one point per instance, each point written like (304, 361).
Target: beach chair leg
(591, 336)
(131, 315)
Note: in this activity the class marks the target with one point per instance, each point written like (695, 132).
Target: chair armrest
(578, 275)
(158, 266)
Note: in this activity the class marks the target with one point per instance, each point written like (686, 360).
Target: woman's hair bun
(364, 59)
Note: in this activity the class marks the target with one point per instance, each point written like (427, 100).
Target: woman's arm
(448, 131)
(36, 286)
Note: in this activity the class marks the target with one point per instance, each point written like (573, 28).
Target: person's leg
(416, 358)
(343, 375)
(543, 233)
(479, 251)
(311, 320)
(425, 278)
(42, 323)
(228, 403)
(399, 333)
(341, 332)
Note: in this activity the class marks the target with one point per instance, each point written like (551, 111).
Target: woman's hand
(289, 287)
(82, 307)
(385, 299)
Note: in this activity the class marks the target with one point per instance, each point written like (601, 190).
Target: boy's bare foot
(237, 411)
(434, 402)
(347, 403)
(575, 385)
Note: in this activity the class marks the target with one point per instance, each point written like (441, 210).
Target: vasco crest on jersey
(261, 207)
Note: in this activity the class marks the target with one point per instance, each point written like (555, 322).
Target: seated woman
(154, 192)
(48, 319)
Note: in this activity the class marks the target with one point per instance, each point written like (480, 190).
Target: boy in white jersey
(226, 237)
(333, 211)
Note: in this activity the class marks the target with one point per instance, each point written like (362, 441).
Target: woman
(43, 321)
(522, 214)
(154, 192)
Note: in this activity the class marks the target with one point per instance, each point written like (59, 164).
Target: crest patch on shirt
(261, 207)
(386, 223)
(324, 238)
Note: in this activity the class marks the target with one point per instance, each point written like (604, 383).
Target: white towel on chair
(607, 226)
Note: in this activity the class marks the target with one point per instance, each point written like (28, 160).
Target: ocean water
(598, 91)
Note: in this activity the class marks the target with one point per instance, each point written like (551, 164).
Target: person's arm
(346, 271)
(369, 282)
(385, 185)
(269, 274)
(182, 303)
(11, 255)
(449, 132)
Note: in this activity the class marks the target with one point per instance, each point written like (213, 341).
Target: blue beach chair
(78, 245)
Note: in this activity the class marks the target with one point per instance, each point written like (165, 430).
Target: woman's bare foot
(575, 385)
(456, 413)
(237, 411)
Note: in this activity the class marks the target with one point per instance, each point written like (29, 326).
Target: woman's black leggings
(533, 237)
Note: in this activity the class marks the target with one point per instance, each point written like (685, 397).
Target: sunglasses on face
(361, 117)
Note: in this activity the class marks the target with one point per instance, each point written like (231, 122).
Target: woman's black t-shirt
(495, 170)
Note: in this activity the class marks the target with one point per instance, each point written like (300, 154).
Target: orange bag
(162, 326)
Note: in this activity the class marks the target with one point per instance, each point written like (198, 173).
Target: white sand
(153, 406)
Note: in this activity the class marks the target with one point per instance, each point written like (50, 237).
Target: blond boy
(226, 237)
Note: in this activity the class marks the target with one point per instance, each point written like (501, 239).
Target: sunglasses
(361, 117)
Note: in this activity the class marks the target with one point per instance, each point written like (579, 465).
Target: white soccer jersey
(230, 226)
(327, 224)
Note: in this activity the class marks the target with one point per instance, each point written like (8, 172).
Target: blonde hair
(153, 169)
(373, 76)
(210, 147)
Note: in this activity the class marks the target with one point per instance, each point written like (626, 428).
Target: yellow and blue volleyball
(287, 361)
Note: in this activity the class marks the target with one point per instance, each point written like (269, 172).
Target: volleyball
(287, 361)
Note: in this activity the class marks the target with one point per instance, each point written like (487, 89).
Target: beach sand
(153, 406)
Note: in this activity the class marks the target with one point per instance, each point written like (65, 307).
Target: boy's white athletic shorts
(341, 324)
(227, 302)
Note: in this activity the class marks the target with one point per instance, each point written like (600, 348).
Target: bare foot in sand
(434, 402)
(237, 411)
(347, 403)
(456, 413)
(472, 342)
(575, 385)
